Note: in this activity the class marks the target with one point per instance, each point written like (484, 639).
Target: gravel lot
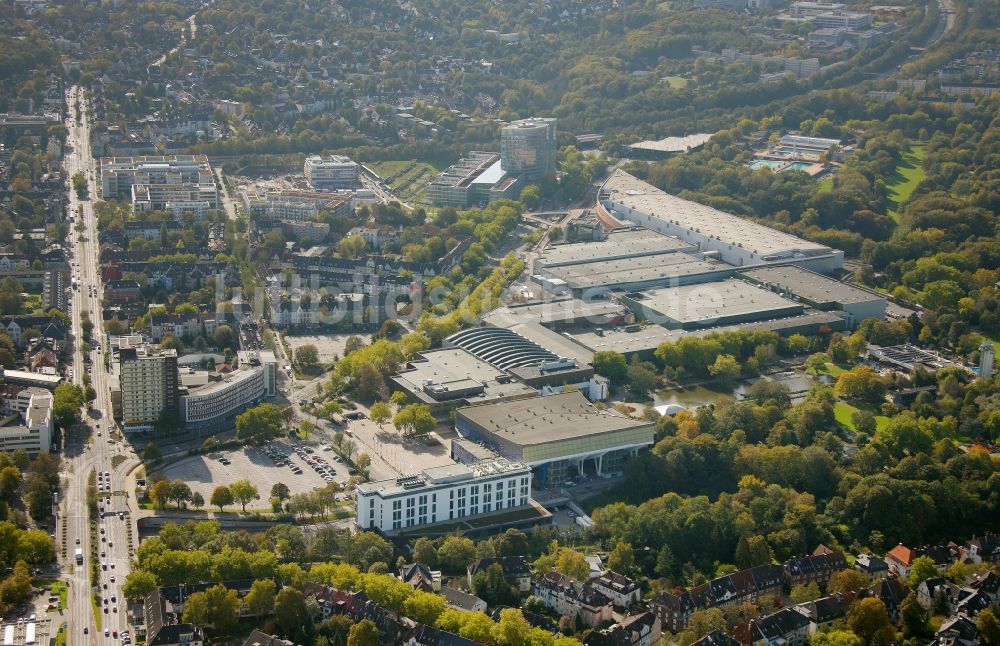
(328, 345)
(203, 473)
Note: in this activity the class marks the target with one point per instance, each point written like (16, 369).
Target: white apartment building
(182, 181)
(30, 428)
(441, 494)
(221, 400)
(331, 172)
(148, 382)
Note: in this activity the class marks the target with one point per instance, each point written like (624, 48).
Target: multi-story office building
(218, 402)
(441, 494)
(30, 426)
(528, 147)
(175, 183)
(331, 172)
(148, 382)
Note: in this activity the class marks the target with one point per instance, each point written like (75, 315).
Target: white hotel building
(441, 494)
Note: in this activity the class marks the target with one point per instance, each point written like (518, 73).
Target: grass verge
(909, 172)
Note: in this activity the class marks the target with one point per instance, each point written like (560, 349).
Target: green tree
(217, 606)
(862, 383)
(260, 599)
(35, 547)
(290, 612)
(424, 607)
(66, 404)
(725, 369)
(846, 581)
(138, 584)
(363, 633)
(868, 619)
(221, 496)
(622, 559)
(611, 365)
(160, 492)
(380, 413)
(151, 453)
(922, 569)
(989, 627)
(307, 355)
(262, 422)
(912, 617)
(572, 564)
(455, 553)
(492, 587)
(415, 419)
(197, 500)
(280, 491)
(243, 492)
(425, 552)
(803, 593)
(835, 638)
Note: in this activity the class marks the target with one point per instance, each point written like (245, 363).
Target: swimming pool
(797, 166)
(772, 164)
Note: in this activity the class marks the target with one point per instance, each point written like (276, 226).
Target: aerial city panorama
(499, 323)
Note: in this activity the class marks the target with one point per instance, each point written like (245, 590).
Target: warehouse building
(738, 241)
(632, 242)
(723, 302)
(557, 435)
(448, 378)
(821, 292)
(592, 279)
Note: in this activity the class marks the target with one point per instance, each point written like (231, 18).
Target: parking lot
(327, 345)
(204, 473)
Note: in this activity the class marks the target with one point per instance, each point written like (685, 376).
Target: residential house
(971, 602)
(900, 559)
(985, 548)
(427, 636)
(421, 577)
(871, 565)
(622, 590)
(162, 627)
(987, 582)
(257, 638)
(754, 585)
(957, 631)
(937, 592)
(516, 570)
(41, 353)
(568, 597)
(642, 629)
(716, 638)
(785, 627)
(891, 592)
(824, 611)
(462, 600)
(815, 568)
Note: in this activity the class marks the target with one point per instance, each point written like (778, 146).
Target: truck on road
(79, 556)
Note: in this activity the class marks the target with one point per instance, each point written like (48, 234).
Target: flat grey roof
(457, 368)
(650, 337)
(621, 243)
(705, 302)
(625, 190)
(553, 312)
(546, 419)
(625, 271)
(810, 285)
(673, 144)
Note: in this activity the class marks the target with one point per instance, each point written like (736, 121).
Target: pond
(694, 397)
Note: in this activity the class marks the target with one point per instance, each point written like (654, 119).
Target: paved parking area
(403, 455)
(203, 473)
(327, 345)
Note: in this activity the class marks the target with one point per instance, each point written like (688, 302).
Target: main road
(93, 450)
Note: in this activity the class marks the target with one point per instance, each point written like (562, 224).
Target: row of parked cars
(323, 468)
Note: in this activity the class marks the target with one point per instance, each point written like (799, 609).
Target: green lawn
(825, 184)
(676, 82)
(831, 369)
(842, 412)
(388, 168)
(905, 178)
